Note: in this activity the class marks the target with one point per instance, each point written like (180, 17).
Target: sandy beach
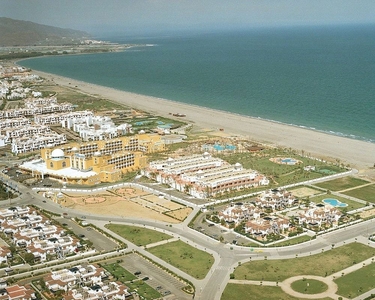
(357, 154)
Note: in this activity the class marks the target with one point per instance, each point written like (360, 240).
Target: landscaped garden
(278, 270)
(138, 235)
(188, 259)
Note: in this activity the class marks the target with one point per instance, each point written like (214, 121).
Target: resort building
(203, 176)
(95, 162)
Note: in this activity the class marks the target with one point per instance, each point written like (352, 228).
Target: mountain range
(25, 33)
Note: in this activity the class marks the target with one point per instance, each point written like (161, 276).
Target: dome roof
(74, 149)
(97, 153)
(57, 153)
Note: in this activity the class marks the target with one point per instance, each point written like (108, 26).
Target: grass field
(278, 270)
(366, 193)
(356, 283)
(138, 235)
(352, 205)
(255, 292)
(309, 286)
(195, 262)
(340, 184)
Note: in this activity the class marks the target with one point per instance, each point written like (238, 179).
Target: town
(103, 201)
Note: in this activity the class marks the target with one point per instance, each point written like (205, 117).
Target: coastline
(356, 153)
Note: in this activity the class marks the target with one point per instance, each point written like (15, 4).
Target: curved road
(227, 257)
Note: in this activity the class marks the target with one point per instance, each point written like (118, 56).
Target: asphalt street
(227, 256)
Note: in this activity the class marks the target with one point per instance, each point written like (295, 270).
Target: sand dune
(358, 154)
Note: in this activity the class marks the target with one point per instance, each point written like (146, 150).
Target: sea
(316, 77)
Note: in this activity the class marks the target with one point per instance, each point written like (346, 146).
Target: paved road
(226, 256)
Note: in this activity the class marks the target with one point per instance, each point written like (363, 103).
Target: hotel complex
(94, 162)
(203, 176)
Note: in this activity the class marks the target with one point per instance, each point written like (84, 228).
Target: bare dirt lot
(304, 192)
(126, 202)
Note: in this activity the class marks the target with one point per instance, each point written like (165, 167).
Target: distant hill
(25, 33)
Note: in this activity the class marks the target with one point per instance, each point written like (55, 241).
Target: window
(51, 164)
(64, 164)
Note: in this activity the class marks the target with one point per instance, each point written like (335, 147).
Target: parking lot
(158, 279)
(100, 242)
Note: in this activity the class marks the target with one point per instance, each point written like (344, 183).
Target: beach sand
(357, 154)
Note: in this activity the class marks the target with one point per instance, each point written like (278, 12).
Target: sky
(148, 16)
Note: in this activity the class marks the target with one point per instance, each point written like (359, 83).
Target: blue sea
(322, 78)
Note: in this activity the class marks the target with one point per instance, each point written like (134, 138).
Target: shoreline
(356, 153)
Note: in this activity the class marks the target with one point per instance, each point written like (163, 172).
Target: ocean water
(321, 78)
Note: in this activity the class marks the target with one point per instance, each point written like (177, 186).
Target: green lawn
(138, 235)
(143, 289)
(278, 270)
(340, 184)
(309, 286)
(366, 193)
(357, 283)
(119, 272)
(352, 205)
(195, 262)
(255, 292)
(293, 241)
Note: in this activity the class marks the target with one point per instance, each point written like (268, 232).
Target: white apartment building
(96, 128)
(14, 123)
(25, 144)
(58, 118)
(29, 131)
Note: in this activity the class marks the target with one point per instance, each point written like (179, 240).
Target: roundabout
(309, 287)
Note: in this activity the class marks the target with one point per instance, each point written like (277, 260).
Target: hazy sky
(132, 16)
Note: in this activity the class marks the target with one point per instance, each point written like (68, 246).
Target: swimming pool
(289, 161)
(334, 202)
